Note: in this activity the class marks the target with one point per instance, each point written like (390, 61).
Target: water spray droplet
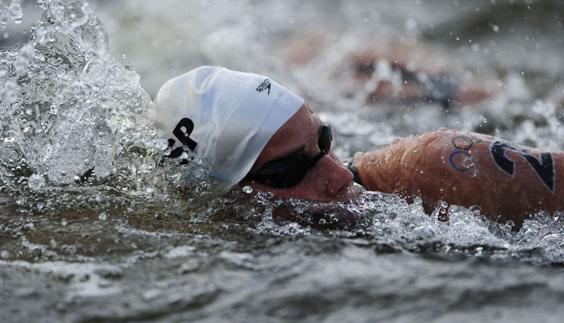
(103, 216)
(36, 182)
(441, 212)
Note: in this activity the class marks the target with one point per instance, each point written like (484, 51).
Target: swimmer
(248, 129)
(394, 72)
(414, 85)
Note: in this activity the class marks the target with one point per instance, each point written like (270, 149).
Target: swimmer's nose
(337, 176)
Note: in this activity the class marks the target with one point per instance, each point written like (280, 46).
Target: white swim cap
(225, 117)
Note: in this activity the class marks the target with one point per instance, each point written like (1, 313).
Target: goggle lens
(290, 171)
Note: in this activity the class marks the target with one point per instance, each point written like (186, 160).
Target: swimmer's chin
(349, 193)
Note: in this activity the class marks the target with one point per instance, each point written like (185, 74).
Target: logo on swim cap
(264, 85)
(183, 130)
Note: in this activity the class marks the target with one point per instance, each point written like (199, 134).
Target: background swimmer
(398, 71)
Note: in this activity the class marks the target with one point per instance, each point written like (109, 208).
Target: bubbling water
(67, 105)
(74, 135)
(95, 225)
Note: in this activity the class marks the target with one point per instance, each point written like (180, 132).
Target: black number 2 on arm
(543, 167)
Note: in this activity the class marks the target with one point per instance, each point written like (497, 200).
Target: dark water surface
(96, 226)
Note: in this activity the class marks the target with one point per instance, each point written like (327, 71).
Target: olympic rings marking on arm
(462, 145)
(464, 142)
(453, 163)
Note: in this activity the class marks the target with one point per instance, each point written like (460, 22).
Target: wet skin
(328, 180)
(457, 167)
(509, 182)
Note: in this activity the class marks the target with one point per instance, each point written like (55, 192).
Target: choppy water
(96, 226)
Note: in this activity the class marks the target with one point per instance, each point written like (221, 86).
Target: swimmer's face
(326, 180)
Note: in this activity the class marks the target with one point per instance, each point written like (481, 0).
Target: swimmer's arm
(467, 169)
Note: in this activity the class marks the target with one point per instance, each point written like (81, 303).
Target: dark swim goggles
(289, 171)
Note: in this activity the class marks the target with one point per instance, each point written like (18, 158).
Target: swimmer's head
(248, 128)
(225, 117)
(302, 143)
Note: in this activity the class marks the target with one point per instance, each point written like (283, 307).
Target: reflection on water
(97, 226)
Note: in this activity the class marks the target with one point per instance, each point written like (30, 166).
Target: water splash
(66, 101)
(10, 11)
(91, 214)
(73, 135)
